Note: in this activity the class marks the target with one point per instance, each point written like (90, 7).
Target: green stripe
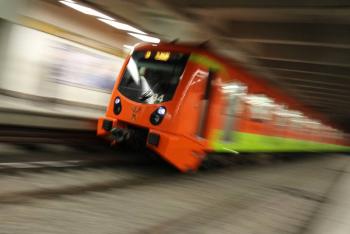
(247, 142)
(205, 61)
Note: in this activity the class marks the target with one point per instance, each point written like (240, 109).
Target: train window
(152, 76)
(285, 117)
(261, 107)
(296, 125)
(281, 121)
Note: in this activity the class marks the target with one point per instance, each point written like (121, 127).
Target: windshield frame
(170, 73)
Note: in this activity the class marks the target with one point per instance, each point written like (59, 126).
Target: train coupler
(120, 134)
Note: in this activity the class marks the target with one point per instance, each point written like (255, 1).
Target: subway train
(184, 102)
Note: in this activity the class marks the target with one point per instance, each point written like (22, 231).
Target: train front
(148, 106)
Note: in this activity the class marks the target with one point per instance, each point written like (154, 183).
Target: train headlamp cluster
(158, 115)
(117, 106)
(161, 110)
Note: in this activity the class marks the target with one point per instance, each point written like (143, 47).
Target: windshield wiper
(146, 95)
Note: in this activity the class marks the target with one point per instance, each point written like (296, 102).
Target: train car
(184, 102)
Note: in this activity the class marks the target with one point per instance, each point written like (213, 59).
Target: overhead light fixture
(121, 26)
(145, 38)
(85, 9)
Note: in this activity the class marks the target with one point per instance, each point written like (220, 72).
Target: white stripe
(232, 151)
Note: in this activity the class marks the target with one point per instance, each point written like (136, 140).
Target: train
(184, 102)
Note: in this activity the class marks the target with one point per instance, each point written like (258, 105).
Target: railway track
(138, 172)
(30, 135)
(37, 175)
(279, 197)
(72, 184)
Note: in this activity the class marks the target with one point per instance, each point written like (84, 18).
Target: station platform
(36, 113)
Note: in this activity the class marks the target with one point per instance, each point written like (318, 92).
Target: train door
(205, 105)
(233, 93)
(220, 107)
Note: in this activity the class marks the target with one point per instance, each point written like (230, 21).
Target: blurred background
(58, 64)
(51, 57)
(300, 47)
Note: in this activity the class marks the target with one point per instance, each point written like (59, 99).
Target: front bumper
(184, 153)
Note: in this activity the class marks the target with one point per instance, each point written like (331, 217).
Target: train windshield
(152, 76)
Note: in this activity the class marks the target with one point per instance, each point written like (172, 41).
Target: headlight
(117, 106)
(161, 110)
(158, 115)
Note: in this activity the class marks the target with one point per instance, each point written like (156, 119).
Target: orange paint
(179, 141)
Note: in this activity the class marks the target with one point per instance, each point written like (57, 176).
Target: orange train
(184, 102)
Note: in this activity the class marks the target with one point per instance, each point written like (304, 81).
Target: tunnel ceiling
(301, 46)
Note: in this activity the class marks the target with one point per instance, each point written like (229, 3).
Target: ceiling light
(85, 9)
(121, 26)
(145, 38)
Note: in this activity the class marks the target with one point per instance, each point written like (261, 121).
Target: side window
(281, 121)
(285, 118)
(296, 125)
(261, 107)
